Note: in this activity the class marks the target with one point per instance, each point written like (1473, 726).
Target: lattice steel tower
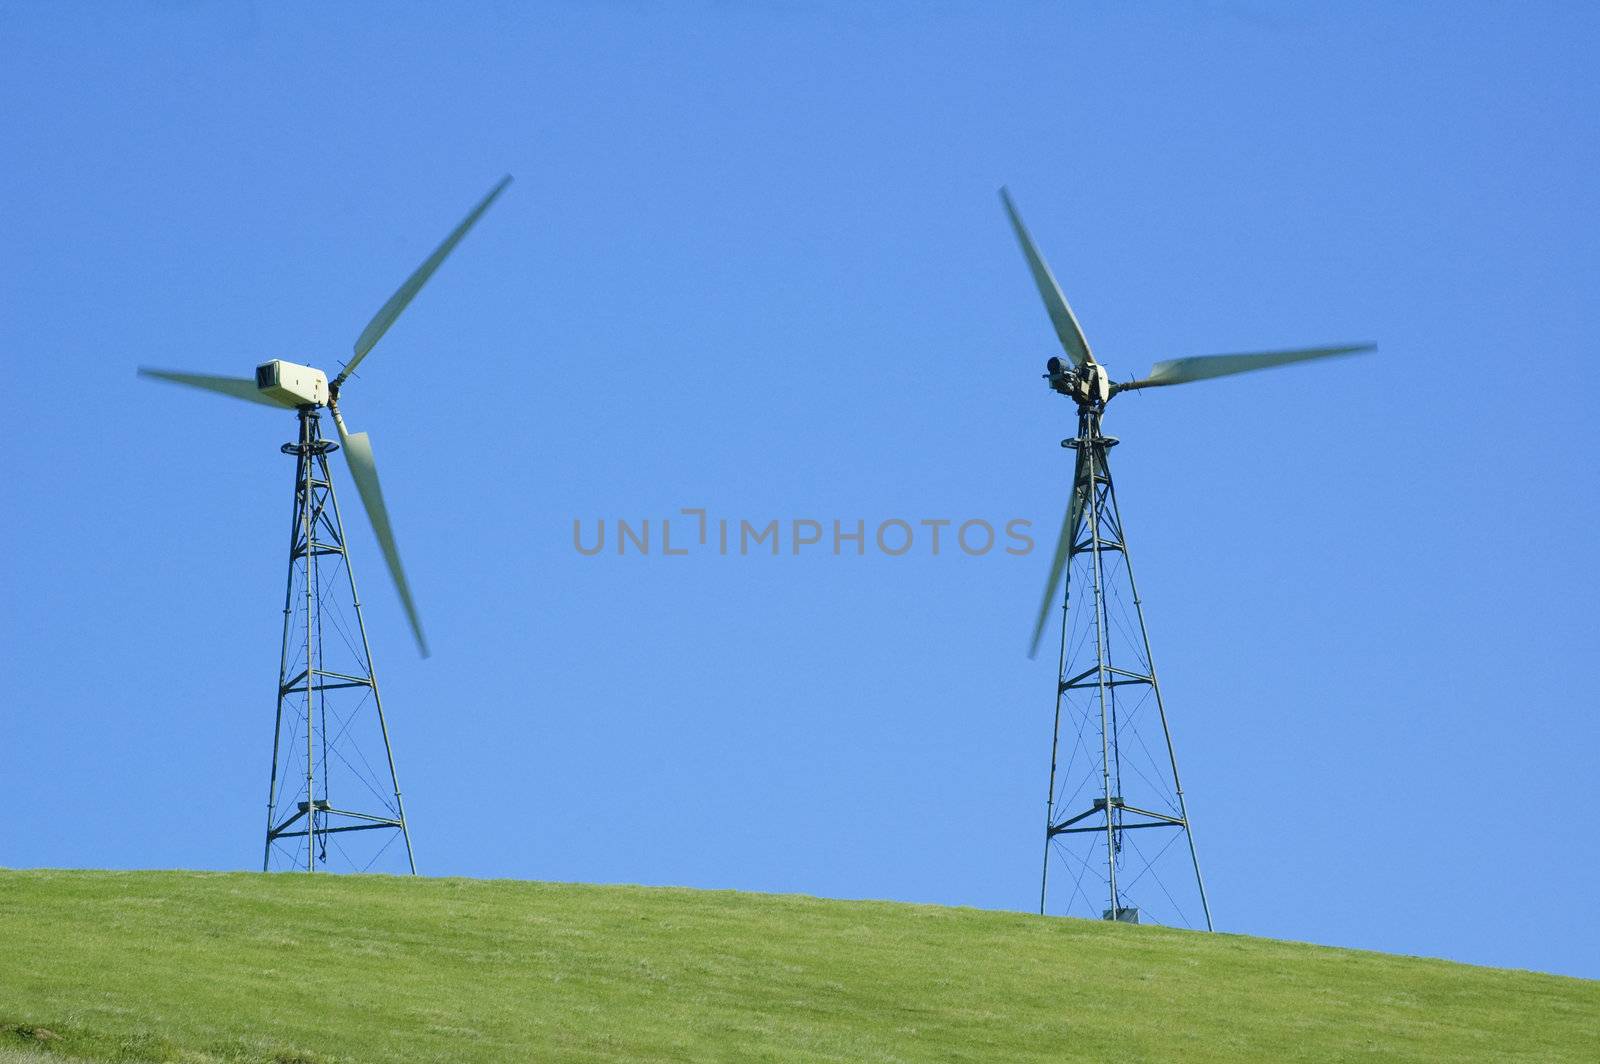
(330, 727)
(1119, 775)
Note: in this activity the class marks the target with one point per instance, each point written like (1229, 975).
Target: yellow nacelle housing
(292, 384)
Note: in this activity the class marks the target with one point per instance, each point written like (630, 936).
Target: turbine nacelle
(292, 384)
(1085, 383)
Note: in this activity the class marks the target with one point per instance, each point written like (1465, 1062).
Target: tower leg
(1089, 432)
(1166, 729)
(307, 505)
(283, 657)
(1050, 794)
(372, 673)
(1061, 670)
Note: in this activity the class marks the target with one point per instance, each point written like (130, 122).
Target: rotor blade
(391, 310)
(1203, 367)
(1058, 564)
(364, 470)
(1060, 313)
(238, 387)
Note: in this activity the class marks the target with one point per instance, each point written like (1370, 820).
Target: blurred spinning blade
(357, 448)
(1061, 315)
(398, 302)
(1081, 483)
(1204, 367)
(238, 387)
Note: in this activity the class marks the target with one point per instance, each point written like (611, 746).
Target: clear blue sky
(753, 262)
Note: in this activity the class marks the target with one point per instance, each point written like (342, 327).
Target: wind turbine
(1111, 784)
(326, 679)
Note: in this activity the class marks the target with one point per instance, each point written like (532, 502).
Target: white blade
(1069, 535)
(1204, 367)
(238, 387)
(364, 470)
(1061, 315)
(391, 310)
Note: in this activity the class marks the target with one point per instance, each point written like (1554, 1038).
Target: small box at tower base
(1127, 914)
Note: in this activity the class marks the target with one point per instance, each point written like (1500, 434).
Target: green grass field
(177, 966)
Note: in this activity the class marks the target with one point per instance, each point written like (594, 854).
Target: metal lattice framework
(330, 725)
(1111, 772)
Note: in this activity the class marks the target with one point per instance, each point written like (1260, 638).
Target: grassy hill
(177, 966)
